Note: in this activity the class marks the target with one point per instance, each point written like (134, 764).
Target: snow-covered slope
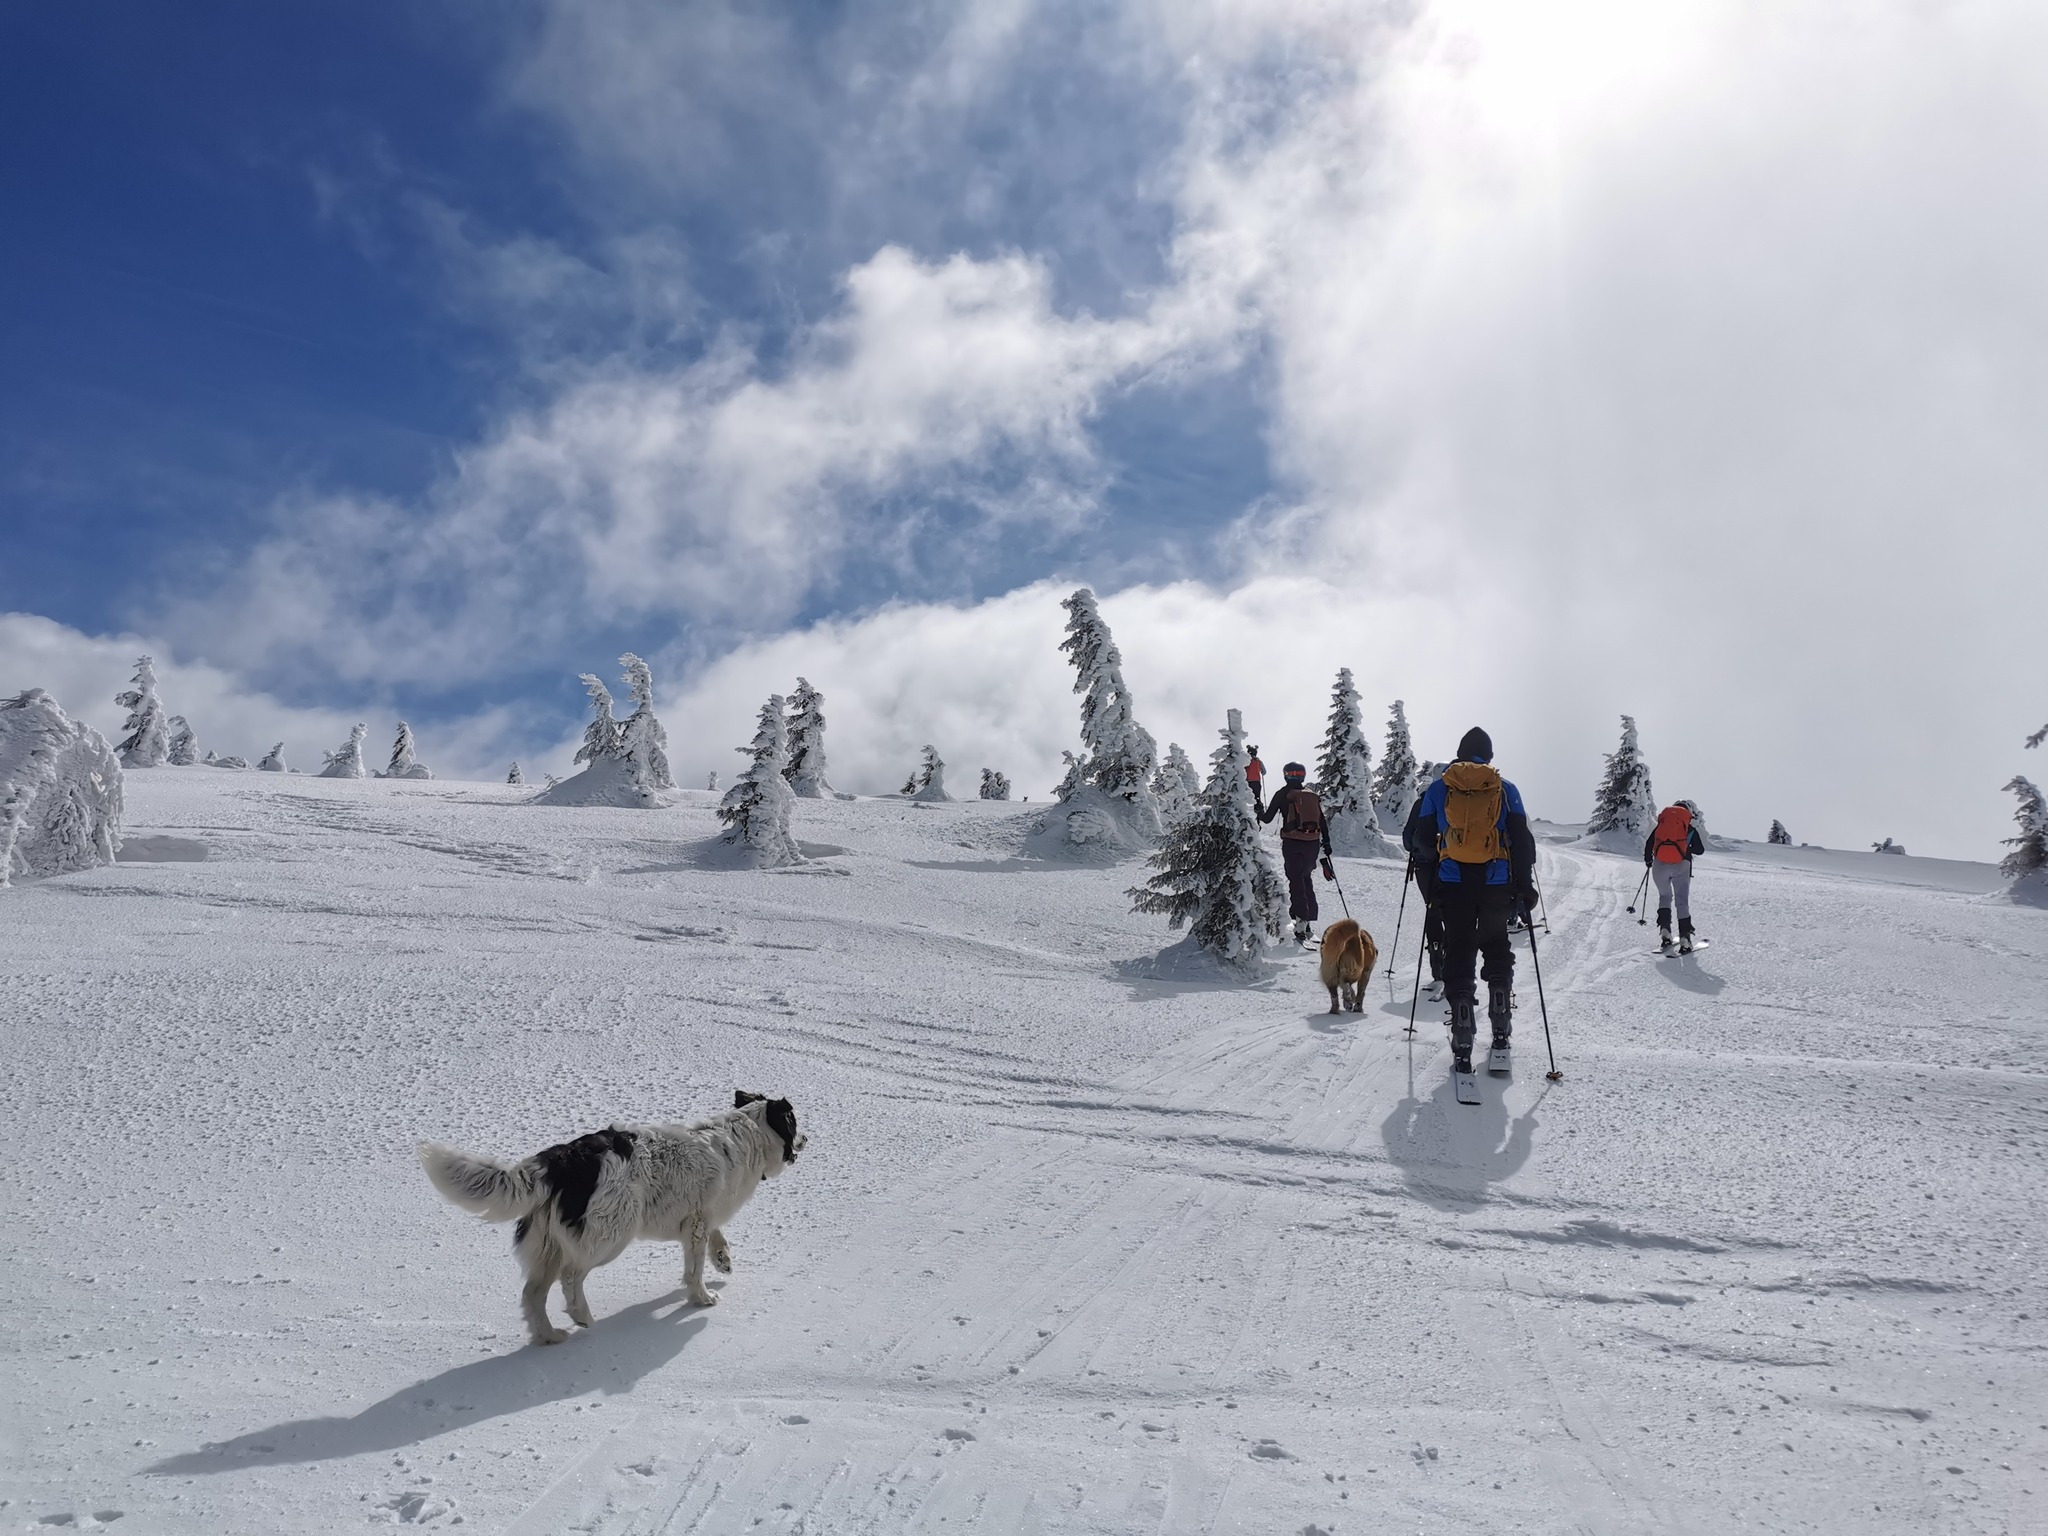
(1072, 1249)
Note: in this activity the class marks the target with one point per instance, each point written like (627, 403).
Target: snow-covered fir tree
(1624, 801)
(146, 735)
(405, 763)
(601, 740)
(756, 810)
(60, 791)
(182, 750)
(1214, 875)
(1176, 784)
(994, 785)
(1888, 846)
(711, 783)
(1394, 782)
(929, 782)
(515, 776)
(807, 743)
(1119, 754)
(346, 760)
(2027, 865)
(231, 761)
(641, 735)
(273, 760)
(1344, 776)
(1779, 835)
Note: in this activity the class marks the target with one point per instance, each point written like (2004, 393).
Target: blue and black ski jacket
(1516, 870)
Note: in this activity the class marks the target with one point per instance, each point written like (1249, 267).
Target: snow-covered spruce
(806, 772)
(1175, 785)
(230, 761)
(346, 760)
(711, 783)
(1624, 805)
(273, 760)
(405, 763)
(1215, 876)
(612, 775)
(2027, 865)
(1118, 755)
(929, 782)
(994, 785)
(515, 776)
(60, 791)
(1344, 777)
(146, 734)
(642, 735)
(1779, 835)
(1888, 846)
(1397, 784)
(756, 810)
(182, 750)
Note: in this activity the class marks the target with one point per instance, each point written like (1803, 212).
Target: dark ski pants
(1300, 855)
(1430, 889)
(1475, 918)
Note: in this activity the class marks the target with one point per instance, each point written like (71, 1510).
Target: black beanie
(1475, 746)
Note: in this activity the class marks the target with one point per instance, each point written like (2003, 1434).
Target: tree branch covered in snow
(1215, 876)
(1624, 802)
(147, 739)
(60, 791)
(756, 810)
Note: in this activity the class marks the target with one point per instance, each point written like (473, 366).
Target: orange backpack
(1673, 837)
(1472, 807)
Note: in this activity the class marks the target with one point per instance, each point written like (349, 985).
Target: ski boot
(1302, 931)
(1500, 1012)
(1664, 930)
(1463, 1028)
(1685, 943)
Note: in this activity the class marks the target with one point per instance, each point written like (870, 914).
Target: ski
(1466, 1086)
(1674, 952)
(1499, 1061)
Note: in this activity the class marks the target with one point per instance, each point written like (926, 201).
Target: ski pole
(1553, 1074)
(1416, 1001)
(1395, 948)
(1642, 891)
(1330, 869)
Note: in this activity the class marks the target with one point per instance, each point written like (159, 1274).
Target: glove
(1329, 869)
(1525, 898)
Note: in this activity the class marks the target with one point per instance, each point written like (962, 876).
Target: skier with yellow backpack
(1486, 869)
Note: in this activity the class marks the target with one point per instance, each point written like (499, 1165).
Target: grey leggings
(1674, 888)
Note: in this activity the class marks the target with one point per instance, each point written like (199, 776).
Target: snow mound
(60, 791)
(1092, 826)
(1613, 840)
(607, 781)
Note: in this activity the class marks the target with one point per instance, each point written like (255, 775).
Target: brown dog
(1349, 955)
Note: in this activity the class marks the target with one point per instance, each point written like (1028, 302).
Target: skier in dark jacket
(1304, 837)
(1485, 869)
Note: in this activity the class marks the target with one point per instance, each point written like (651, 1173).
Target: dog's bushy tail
(493, 1190)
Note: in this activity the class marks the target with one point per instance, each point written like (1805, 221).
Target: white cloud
(83, 673)
(1685, 359)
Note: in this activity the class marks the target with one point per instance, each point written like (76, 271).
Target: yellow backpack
(1472, 801)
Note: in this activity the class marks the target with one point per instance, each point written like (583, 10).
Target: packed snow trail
(1073, 1247)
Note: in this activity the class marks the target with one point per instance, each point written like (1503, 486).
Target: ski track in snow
(1072, 1250)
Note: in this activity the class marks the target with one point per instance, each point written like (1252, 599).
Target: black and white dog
(579, 1205)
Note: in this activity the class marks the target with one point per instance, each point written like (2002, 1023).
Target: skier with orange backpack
(1668, 853)
(1486, 868)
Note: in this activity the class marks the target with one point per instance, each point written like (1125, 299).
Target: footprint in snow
(794, 1418)
(959, 1434)
(1272, 1450)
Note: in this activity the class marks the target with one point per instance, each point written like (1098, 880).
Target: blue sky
(365, 360)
